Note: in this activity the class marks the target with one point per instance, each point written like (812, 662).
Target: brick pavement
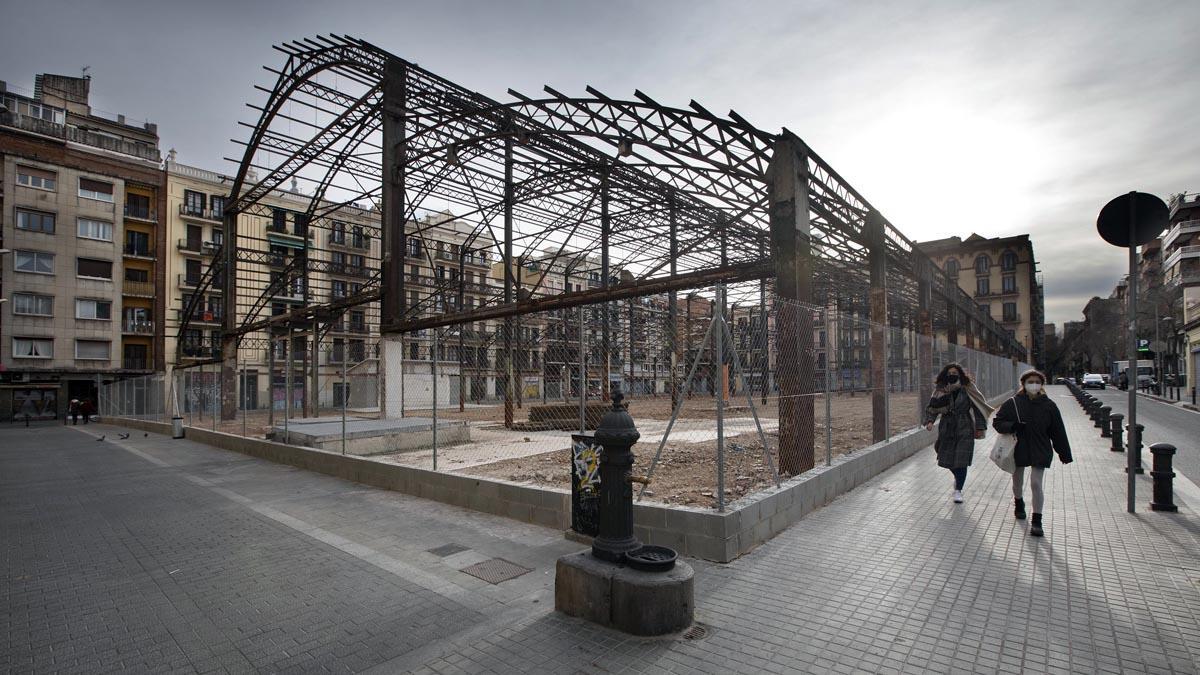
(173, 556)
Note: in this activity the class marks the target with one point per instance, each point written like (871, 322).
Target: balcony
(347, 270)
(360, 242)
(143, 289)
(1011, 318)
(137, 327)
(189, 281)
(1183, 202)
(143, 252)
(209, 316)
(281, 230)
(1180, 253)
(200, 213)
(142, 213)
(290, 295)
(189, 245)
(129, 363)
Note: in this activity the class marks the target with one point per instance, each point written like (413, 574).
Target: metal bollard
(1102, 422)
(1115, 420)
(1135, 446)
(1164, 498)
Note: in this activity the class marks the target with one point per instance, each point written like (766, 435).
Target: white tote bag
(1004, 447)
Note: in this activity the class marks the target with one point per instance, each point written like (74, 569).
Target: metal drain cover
(447, 550)
(652, 558)
(495, 570)
(696, 632)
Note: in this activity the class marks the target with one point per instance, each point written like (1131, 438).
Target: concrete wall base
(620, 597)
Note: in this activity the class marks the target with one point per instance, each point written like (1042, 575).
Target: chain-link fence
(727, 402)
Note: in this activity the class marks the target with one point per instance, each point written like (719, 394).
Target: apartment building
(1181, 274)
(1001, 274)
(81, 195)
(287, 261)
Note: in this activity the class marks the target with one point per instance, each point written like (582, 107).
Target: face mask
(1033, 387)
(952, 379)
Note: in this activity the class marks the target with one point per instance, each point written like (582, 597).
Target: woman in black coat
(1038, 424)
(964, 414)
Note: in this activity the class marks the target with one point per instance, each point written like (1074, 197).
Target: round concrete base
(634, 602)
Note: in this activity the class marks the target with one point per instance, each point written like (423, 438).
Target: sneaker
(958, 496)
(1019, 509)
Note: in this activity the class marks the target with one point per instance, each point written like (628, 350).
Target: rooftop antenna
(84, 72)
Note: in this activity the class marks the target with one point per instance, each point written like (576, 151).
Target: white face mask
(1033, 387)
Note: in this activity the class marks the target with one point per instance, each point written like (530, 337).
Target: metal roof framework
(668, 198)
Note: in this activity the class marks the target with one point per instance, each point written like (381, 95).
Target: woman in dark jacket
(1038, 424)
(964, 414)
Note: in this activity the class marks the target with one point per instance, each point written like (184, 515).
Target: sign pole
(1131, 363)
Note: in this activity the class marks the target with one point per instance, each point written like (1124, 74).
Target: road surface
(1164, 423)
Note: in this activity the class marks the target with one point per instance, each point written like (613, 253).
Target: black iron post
(1114, 422)
(1163, 497)
(1102, 420)
(616, 434)
(1135, 448)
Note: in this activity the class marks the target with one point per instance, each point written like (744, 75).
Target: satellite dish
(1137, 215)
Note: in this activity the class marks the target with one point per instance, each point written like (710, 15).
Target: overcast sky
(951, 117)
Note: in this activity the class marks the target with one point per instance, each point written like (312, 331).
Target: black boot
(1019, 509)
(1035, 526)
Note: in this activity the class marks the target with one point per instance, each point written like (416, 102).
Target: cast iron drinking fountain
(639, 589)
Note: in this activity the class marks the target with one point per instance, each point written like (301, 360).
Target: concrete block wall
(540, 506)
(693, 532)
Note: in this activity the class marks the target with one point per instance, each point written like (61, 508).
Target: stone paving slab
(895, 578)
(168, 556)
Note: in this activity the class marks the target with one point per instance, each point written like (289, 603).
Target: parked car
(1093, 381)
(1107, 378)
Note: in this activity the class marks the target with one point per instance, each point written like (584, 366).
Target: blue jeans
(960, 477)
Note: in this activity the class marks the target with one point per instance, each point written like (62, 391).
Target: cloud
(995, 117)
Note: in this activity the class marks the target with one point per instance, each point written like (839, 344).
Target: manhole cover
(495, 570)
(447, 550)
(696, 632)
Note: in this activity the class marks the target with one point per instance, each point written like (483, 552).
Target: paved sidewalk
(170, 555)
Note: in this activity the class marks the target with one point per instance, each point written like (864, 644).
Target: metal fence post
(719, 362)
(434, 360)
(830, 355)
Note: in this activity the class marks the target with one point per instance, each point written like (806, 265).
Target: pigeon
(122, 436)
(145, 435)
(100, 439)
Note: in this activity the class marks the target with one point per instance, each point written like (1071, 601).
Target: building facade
(81, 198)
(1001, 275)
(1181, 274)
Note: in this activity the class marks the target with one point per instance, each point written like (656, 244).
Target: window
(217, 202)
(30, 304)
(95, 229)
(35, 221)
(358, 321)
(338, 354)
(33, 348)
(1008, 261)
(338, 234)
(414, 247)
(95, 189)
(34, 261)
(982, 287)
(137, 243)
(36, 178)
(359, 240)
(986, 309)
(141, 276)
(982, 264)
(1010, 311)
(92, 350)
(358, 350)
(193, 203)
(93, 309)
(1009, 283)
(93, 269)
(952, 268)
(137, 206)
(338, 289)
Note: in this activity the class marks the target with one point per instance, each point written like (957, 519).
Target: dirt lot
(687, 472)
